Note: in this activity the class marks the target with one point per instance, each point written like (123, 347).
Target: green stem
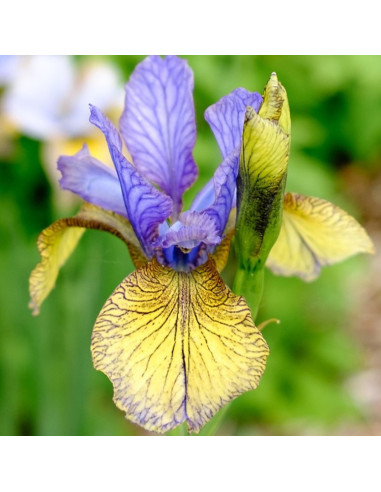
(184, 429)
(211, 427)
(249, 284)
(180, 430)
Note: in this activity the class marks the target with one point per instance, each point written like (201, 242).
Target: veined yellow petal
(57, 242)
(176, 346)
(315, 233)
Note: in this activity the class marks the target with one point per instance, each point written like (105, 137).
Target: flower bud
(262, 176)
(260, 188)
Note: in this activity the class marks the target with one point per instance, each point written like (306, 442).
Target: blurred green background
(324, 371)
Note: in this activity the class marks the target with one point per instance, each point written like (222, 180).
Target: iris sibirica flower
(173, 338)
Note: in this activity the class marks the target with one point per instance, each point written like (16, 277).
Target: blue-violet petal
(146, 207)
(224, 191)
(92, 180)
(226, 117)
(158, 124)
(190, 230)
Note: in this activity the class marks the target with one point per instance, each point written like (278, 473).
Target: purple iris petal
(218, 196)
(98, 119)
(204, 198)
(158, 124)
(146, 207)
(92, 180)
(201, 231)
(226, 117)
(190, 230)
(224, 191)
(179, 260)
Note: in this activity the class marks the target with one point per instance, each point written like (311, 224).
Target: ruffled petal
(226, 117)
(92, 180)
(146, 207)
(197, 233)
(190, 230)
(176, 346)
(158, 124)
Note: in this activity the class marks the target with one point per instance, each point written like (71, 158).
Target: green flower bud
(260, 186)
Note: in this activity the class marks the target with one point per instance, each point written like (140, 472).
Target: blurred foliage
(47, 383)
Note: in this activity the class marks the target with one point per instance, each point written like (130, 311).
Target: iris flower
(173, 338)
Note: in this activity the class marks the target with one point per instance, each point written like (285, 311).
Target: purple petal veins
(158, 127)
(196, 230)
(190, 230)
(226, 117)
(158, 124)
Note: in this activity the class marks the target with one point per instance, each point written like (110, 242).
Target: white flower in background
(47, 98)
(8, 68)
(49, 95)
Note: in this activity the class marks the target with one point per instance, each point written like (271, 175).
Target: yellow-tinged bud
(262, 175)
(260, 187)
(275, 104)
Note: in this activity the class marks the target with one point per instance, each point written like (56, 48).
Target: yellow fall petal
(57, 242)
(177, 346)
(315, 233)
